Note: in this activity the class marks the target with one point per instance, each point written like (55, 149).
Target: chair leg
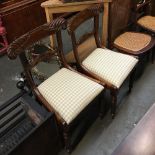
(113, 102)
(131, 80)
(102, 105)
(67, 138)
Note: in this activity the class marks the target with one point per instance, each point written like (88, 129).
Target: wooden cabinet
(20, 16)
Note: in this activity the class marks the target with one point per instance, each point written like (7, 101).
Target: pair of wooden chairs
(68, 93)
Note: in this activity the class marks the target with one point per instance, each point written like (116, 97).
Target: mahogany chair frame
(78, 19)
(18, 47)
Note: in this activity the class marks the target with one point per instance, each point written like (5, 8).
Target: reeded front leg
(102, 104)
(67, 138)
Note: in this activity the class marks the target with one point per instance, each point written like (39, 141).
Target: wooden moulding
(54, 3)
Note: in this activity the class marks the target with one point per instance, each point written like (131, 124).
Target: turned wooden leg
(113, 102)
(67, 138)
(131, 80)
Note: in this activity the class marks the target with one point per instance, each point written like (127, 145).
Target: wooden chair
(129, 41)
(67, 92)
(109, 67)
(145, 20)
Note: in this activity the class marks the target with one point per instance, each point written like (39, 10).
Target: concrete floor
(104, 135)
(9, 75)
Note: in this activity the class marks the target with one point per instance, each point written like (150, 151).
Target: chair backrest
(77, 21)
(122, 18)
(28, 42)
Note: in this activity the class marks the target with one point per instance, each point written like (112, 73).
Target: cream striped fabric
(69, 93)
(147, 22)
(110, 66)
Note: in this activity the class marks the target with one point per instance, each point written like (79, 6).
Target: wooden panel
(20, 17)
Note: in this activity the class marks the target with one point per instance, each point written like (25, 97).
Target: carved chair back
(77, 21)
(27, 42)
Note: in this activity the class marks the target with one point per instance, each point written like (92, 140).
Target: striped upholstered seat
(110, 66)
(69, 93)
(147, 22)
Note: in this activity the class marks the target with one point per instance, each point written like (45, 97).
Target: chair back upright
(79, 19)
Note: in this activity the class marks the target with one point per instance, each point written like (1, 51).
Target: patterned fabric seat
(69, 93)
(110, 66)
(147, 22)
(132, 41)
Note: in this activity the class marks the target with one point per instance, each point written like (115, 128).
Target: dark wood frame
(80, 18)
(18, 47)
